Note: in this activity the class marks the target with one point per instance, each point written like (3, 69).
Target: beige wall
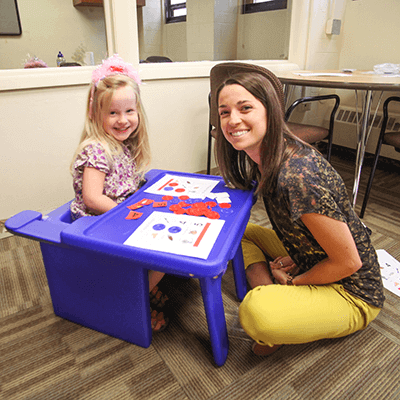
(214, 30)
(173, 34)
(38, 138)
(371, 34)
(370, 37)
(150, 29)
(226, 30)
(50, 26)
(322, 52)
(264, 35)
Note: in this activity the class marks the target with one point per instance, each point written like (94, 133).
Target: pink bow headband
(114, 65)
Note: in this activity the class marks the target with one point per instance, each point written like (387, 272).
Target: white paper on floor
(390, 271)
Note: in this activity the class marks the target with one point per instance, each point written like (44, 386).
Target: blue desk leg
(239, 274)
(214, 308)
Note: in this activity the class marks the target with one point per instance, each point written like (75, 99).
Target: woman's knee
(265, 239)
(254, 232)
(259, 316)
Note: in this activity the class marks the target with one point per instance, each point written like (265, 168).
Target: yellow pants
(278, 314)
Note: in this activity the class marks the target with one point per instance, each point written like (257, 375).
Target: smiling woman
(243, 120)
(317, 267)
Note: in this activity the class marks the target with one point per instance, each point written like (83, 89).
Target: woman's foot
(257, 274)
(260, 350)
(159, 321)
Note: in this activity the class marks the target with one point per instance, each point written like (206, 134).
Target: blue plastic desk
(97, 281)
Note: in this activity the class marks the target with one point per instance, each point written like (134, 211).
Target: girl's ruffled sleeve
(92, 156)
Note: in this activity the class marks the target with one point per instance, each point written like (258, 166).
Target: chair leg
(209, 153)
(371, 178)
(329, 150)
(378, 150)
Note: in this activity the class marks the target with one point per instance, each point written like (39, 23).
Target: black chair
(311, 133)
(70, 64)
(388, 138)
(157, 59)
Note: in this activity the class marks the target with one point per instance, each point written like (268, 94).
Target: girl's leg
(159, 321)
(154, 278)
(257, 242)
(276, 314)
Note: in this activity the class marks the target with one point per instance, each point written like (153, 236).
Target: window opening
(253, 6)
(175, 11)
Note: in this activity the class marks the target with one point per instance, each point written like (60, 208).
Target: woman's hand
(282, 268)
(284, 263)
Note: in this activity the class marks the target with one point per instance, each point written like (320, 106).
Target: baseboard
(3, 231)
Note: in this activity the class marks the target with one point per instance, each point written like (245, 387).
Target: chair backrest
(311, 99)
(70, 64)
(311, 133)
(157, 59)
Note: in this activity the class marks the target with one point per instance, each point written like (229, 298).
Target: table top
(222, 221)
(356, 80)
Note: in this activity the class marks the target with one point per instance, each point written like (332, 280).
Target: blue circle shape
(158, 227)
(174, 229)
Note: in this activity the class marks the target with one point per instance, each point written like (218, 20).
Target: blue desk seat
(97, 281)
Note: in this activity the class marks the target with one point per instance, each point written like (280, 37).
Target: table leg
(239, 274)
(362, 138)
(214, 308)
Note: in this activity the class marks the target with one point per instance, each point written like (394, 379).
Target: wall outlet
(333, 27)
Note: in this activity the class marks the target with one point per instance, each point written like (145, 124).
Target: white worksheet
(321, 73)
(173, 185)
(178, 234)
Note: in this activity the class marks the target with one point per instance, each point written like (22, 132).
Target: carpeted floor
(45, 357)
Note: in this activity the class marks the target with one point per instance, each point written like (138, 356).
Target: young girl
(113, 153)
(319, 254)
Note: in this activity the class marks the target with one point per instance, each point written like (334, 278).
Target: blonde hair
(93, 132)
